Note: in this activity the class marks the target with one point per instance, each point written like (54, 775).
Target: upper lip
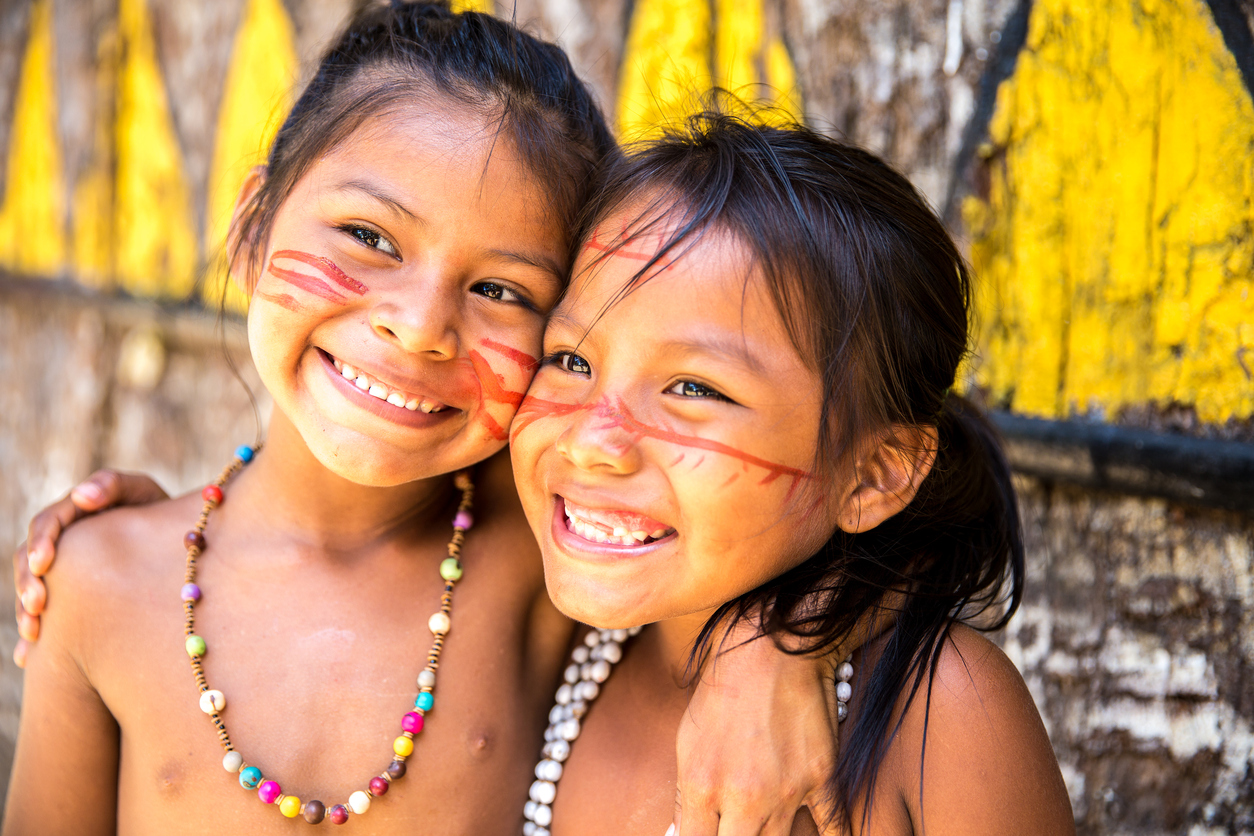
(650, 523)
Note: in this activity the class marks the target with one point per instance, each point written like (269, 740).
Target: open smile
(383, 399)
(607, 531)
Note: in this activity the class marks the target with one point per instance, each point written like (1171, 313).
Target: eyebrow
(394, 203)
(728, 348)
(548, 265)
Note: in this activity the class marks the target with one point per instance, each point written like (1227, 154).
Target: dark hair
(393, 53)
(874, 292)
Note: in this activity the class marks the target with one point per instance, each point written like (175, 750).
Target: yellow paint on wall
(1115, 246)
(752, 63)
(666, 64)
(156, 251)
(32, 216)
(92, 223)
(485, 6)
(255, 100)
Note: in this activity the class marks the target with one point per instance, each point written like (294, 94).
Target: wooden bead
(314, 812)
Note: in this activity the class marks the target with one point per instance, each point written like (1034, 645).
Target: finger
(19, 653)
(697, 815)
(33, 596)
(27, 625)
(107, 488)
(45, 529)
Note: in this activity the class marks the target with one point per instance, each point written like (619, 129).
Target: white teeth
(361, 382)
(379, 392)
(640, 535)
(396, 400)
(337, 363)
(412, 405)
(619, 531)
(348, 372)
(659, 534)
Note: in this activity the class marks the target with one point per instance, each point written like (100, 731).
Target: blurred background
(1096, 160)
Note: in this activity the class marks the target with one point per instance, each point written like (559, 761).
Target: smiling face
(403, 295)
(663, 453)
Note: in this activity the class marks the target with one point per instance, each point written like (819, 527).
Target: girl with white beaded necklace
(743, 413)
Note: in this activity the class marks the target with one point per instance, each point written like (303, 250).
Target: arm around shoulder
(988, 767)
(65, 769)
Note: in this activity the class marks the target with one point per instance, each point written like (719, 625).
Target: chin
(606, 607)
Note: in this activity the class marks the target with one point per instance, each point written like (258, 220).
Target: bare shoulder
(973, 756)
(108, 564)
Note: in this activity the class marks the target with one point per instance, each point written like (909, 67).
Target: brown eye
(573, 363)
(691, 389)
(372, 239)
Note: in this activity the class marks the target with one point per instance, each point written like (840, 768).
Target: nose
(421, 318)
(600, 440)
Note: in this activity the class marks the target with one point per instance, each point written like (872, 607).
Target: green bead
(451, 569)
(424, 701)
(196, 646)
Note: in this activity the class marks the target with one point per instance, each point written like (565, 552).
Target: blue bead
(425, 701)
(249, 777)
(244, 453)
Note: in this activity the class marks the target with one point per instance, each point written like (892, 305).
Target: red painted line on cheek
(309, 284)
(282, 300)
(730, 479)
(532, 409)
(327, 267)
(492, 389)
(524, 360)
(678, 459)
(621, 416)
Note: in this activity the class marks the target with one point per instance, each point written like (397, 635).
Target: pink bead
(378, 786)
(412, 722)
(464, 520)
(269, 791)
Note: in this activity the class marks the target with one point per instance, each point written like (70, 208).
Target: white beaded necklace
(591, 663)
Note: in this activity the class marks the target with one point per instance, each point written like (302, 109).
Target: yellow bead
(403, 746)
(290, 806)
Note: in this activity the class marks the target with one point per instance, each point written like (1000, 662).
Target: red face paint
(282, 300)
(525, 361)
(317, 285)
(620, 417)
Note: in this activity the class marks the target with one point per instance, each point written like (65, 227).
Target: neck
(296, 497)
(675, 638)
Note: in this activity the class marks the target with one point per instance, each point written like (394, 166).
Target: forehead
(707, 286)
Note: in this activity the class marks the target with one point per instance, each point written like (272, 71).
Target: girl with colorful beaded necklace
(401, 249)
(753, 365)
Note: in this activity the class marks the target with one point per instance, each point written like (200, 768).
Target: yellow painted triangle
(156, 240)
(255, 101)
(666, 65)
(32, 217)
(485, 6)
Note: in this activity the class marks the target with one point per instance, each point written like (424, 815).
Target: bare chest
(317, 676)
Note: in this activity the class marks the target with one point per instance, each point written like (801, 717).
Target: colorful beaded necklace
(213, 702)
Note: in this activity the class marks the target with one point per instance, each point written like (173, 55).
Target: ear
(888, 475)
(237, 250)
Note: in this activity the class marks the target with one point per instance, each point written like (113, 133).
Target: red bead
(212, 493)
(194, 539)
(338, 814)
(412, 722)
(378, 786)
